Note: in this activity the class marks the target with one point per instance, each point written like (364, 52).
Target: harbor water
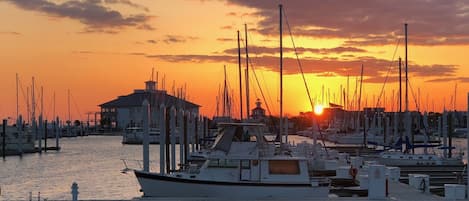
(94, 162)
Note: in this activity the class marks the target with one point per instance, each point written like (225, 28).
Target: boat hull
(155, 185)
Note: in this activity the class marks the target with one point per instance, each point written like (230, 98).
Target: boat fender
(353, 172)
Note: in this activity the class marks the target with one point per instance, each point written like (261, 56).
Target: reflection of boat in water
(240, 164)
(134, 135)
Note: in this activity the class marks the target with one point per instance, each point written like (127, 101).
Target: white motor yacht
(240, 164)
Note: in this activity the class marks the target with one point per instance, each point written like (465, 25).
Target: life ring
(353, 172)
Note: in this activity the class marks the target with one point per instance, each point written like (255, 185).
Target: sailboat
(241, 163)
(399, 158)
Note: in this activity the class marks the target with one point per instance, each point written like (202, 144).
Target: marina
(320, 100)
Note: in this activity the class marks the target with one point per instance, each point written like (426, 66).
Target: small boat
(240, 164)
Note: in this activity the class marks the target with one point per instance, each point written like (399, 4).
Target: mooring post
(19, 128)
(167, 133)
(185, 129)
(162, 124)
(56, 128)
(45, 136)
(4, 136)
(181, 136)
(172, 121)
(146, 135)
(41, 126)
(74, 191)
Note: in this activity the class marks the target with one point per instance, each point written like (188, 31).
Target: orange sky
(99, 58)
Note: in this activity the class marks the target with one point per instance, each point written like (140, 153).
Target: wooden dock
(397, 191)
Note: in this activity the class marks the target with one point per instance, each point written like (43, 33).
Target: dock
(397, 191)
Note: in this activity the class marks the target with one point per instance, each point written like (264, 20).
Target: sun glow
(318, 109)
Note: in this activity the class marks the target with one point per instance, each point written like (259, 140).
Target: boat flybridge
(241, 163)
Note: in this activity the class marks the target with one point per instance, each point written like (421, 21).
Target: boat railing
(132, 164)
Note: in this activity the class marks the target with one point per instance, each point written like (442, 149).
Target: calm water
(94, 162)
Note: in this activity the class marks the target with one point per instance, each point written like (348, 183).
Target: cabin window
(223, 163)
(420, 157)
(284, 167)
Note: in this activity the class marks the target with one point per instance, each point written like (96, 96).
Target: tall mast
(225, 93)
(247, 70)
(27, 105)
(33, 102)
(406, 69)
(68, 104)
(53, 117)
(42, 102)
(240, 82)
(400, 85)
(281, 75)
(359, 108)
(17, 101)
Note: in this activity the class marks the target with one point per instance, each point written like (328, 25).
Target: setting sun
(318, 109)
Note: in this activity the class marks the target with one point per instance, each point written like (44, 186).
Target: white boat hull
(155, 185)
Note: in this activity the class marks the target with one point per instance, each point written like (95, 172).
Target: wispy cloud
(151, 41)
(128, 3)
(169, 39)
(450, 79)
(300, 50)
(14, 33)
(93, 13)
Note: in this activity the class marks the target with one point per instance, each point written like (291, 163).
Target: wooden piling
(168, 127)
(196, 122)
(45, 136)
(4, 136)
(186, 144)
(162, 126)
(172, 121)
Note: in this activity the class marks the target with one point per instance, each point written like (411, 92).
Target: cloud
(226, 39)
(168, 39)
(227, 27)
(151, 41)
(300, 50)
(450, 79)
(128, 3)
(369, 22)
(375, 69)
(92, 13)
(10, 33)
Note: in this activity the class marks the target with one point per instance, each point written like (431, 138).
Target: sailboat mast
(240, 82)
(68, 104)
(281, 75)
(33, 102)
(400, 85)
(359, 107)
(247, 70)
(225, 93)
(17, 101)
(406, 69)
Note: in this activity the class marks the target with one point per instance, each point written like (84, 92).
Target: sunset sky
(101, 49)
